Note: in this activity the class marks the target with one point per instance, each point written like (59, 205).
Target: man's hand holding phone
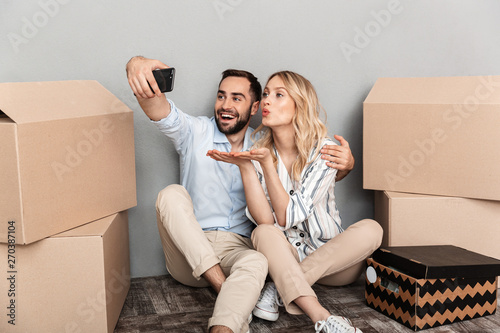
(164, 79)
(142, 79)
(145, 87)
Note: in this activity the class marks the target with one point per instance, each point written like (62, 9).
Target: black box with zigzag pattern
(428, 286)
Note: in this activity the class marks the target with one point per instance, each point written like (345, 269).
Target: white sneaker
(267, 305)
(335, 324)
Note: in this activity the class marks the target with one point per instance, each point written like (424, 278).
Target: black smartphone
(165, 79)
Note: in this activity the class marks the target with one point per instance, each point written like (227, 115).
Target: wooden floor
(162, 305)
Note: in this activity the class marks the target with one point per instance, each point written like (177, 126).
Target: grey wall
(341, 46)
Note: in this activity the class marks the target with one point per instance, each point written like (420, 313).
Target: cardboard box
(423, 287)
(66, 155)
(413, 219)
(76, 281)
(433, 136)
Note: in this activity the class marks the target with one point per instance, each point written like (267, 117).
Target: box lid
(435, 90)
(437, 262)
(54, 100)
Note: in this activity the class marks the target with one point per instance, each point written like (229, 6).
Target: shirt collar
(219, 137)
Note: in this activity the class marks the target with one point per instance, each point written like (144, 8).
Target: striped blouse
(312, 217)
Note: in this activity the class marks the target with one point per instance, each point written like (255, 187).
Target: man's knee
(254, 262)
(170, 192)
(172, 198)
(259, 261)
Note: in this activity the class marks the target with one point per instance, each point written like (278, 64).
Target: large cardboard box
(428, 286)
(433, 136)
(76, 281)
(66, 155)
(413, 219)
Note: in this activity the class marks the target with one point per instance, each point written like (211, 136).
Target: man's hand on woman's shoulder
(339, 157)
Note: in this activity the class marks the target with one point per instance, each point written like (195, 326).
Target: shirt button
(297, 244)
(301, 234)
(295, 227)
(291, 192)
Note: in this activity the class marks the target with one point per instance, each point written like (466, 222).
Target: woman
(291, 199)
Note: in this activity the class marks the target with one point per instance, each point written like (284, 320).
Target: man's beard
(240, 124)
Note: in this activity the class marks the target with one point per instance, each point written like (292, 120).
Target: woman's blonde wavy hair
(309, 129)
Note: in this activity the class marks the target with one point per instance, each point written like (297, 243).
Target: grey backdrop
(341, 46)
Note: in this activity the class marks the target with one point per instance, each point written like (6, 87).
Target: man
(203, 226)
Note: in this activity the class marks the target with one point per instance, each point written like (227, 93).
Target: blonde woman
(289, 190)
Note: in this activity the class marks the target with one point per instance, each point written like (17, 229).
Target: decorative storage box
(427, 286)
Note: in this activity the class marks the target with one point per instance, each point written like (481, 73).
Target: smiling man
(229, 119)
(202, 222)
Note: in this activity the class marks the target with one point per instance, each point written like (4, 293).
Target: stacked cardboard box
(68, 177)
(430, 150)
(437, 137)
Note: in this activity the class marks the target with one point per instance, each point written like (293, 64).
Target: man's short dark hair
(255, 87)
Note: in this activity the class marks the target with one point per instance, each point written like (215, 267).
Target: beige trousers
(190, 251)
(338, 262)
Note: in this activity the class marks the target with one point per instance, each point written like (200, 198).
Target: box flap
(44, 101)
(437, 262)
(94, 228)
(435, 90)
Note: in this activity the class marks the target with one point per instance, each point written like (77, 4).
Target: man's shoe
(335, 324)
(267, 305)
